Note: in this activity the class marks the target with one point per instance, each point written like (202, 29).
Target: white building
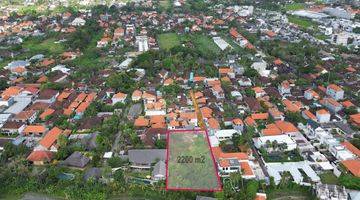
(335, 92)
(225, 134)
(280, 139)
(323, 116)
(222, 44)
(78, 22)
(142, 42)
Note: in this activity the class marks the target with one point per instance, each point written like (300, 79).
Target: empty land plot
(190, 163)
(168, 40)
(206, 46)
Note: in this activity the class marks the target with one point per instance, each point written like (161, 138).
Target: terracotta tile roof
(47, 62)
(286, 127)
(250, 121)
(224, 163)
(351, 148)
(246, 169)
(213, 123)
(42, 79)
(46, 113)
(25, 115)
(355, 118)
(334, 87)
(82, 107)
(310, 115)
(63, 95)
(67, 111)
(141, 122)
(332, 102)
(260, 116)
(218, 154)
(51, 137)
(157, 119)
(260, 196)
(271, 129)
(347, 104)
(322, 112)
(206, 112)
(278, 61)
(234, 33)
(238, 121)
(199, 78)
(225, 70)
(81, 97)
(40, 156)
(188, 115)
(137, 94)
(174, 123)
(168, 81)
(90, 97)
(11, 91)
(120, 95)
(158, 125)
(34, 129)
(274, 112)
(353, 166)
(258, 90)
(292, 106)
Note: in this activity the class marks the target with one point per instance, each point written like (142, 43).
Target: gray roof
(76, 160)
(159, 168)
(18, 106)
(135, 110)
(93, 172)
(146, 156)
(18, 63)
(204, 198)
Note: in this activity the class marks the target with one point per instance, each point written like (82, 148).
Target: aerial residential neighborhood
(180, 99)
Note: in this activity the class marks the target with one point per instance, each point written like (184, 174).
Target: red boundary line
(212, 157)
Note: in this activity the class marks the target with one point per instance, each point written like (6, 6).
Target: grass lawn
(206, 46)
(46, 46)
(168, 40)
(190, 164)
(290, 193)
(302, 22)
(165, 4)
(329, 178)
(294, 6)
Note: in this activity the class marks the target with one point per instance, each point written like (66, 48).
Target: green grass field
(190, 164)
(168, 40)
(165, 4)
(46, 46)
(329, 178)
(302, 22)
(294, 6)
(206, 46)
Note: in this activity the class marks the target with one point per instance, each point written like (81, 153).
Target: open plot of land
(190, 164)
(168, 40)
(294, 6)
(47, 46)
(302, 22)
(206, 46)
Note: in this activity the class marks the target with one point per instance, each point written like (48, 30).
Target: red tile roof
(51, 137)
(353, 166)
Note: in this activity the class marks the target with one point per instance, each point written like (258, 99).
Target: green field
(329, 178)
(168, 40)
(165, 4)
(46, 46)
(302, 22)
(294, 6)
(190, 164)
(206, 46)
